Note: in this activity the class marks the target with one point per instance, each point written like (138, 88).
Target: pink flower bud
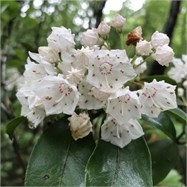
(118, 22)
(143, 48)
(164, 55)
(159, 39)
(103, 29)
(90, 37)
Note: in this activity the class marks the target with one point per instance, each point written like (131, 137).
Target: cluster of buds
(157, 47)
(61, 79)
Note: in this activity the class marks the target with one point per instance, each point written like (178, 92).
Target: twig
(16, 150)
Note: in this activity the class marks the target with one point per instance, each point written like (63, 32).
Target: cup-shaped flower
(80, 125)
(28, 100)
(49, 54)
(164, 55)
(57, 95)
(109, 70)
(61, 39)
(124, 105)
(82, 56)
(143, 48)
(103, 29)
(156, 97)
(71, 60)
(35, 71)
(91, 98)
(179, 71)
(159, 39)
(118, 22)
(120, 135)
(90, 37)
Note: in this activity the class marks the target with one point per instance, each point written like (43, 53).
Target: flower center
(105, 68)
(64, 89)
(124, 99)
(151, 92)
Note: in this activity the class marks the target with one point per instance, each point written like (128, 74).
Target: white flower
(80, 125)
(57, 95)
(28, 99)
(90, 37)
(103, 29)
(120, 135)
(87, 98)
(48, 67)
(159, 39)
(124, 105)
(71, 60)
(102, 96)
(156, 97)
(140, 68)
(61, 39)
(179, 71)
(143, 48)
(49, 54)
(82, 56)
(118, 22)
(35, 71)
(109, 70)
(164, 55)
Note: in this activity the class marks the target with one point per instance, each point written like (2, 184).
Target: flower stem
(122, 41)
(98, 123)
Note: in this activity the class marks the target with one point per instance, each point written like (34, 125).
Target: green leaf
(178, 113)
(164, 155)
(113, 166)
(58, 160)
(163, 122)
(159, 78)
(11, 125)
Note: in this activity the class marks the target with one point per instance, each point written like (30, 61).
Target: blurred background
(25, 26)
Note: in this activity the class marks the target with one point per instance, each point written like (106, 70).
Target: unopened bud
(103, 29)
(90, 37)
(180, 92)
(159, 39)
(143, 48)
(185, 84)
(118, 22)
(80, 125)
(134, 36)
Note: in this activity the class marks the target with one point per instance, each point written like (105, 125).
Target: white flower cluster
(60, 79)
(158, 47)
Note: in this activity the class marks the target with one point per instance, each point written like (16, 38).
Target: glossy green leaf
(179, 114)
(11, 125)
(163, 122)
(113, 166)
(58, 160)
(164, 155)
(159, 78)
